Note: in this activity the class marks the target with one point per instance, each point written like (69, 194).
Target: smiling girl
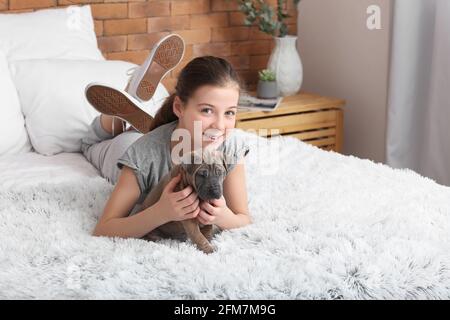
(206, 95)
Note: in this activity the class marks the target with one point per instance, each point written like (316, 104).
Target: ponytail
(165, 113)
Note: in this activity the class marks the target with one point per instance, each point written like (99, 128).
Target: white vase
(285, 62)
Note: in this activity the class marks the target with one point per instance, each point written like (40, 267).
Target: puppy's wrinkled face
(209, 181)
(206, 173)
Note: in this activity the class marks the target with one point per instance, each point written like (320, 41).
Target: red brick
(222, 49)
(109, 11)
(170, 84)
(223, 5)
(239, 62)
(168, 23)
(175, 72)
(125, 26)
(290, 5)
(272, 45)
(250, 47)
(230, 34)
(236, 18)
(112, 44)
(137, 57)
(293, 17)
(149, 9)
(115, 1)
(3, 4)
(259, 62)
(187, 57)
(256, 34)
(292, 29)
(195, 36)
(248, 76)
(211, 20)
(144, 41)
(273, 4)
(70, 2)
(18, 11)
(31, 4)
(182, 7)
(98, 26)
(188, 52)
(251, 86)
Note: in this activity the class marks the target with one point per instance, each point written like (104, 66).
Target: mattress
(325, 226)
(31, 168)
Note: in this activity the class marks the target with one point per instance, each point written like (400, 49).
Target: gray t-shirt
(149, 156)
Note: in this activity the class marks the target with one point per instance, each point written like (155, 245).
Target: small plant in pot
(267, 85)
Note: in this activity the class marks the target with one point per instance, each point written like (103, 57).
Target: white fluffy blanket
(326, 226)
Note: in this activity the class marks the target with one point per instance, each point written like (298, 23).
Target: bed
(326, 226)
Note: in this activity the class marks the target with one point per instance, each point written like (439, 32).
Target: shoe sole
(166, 57)
(114, 103)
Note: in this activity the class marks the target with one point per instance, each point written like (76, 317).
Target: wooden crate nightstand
(309, 117)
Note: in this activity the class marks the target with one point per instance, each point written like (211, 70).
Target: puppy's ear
(184, 182)
(178, 169)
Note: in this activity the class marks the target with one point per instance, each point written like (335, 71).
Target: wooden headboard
(127, 30)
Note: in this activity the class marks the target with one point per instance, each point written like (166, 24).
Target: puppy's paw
(207, 231)
(207, 248)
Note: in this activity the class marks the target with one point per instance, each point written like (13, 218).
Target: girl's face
(213, 108)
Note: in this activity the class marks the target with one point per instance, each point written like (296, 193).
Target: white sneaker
(164, 56)
(120, 104)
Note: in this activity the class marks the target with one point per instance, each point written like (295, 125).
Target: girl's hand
(179, 205)
(214, 212)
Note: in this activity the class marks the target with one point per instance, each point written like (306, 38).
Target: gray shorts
(103, 150)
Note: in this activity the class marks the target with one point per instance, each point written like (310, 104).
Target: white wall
(343, 58)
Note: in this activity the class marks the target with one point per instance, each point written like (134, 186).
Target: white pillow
(51, 92)
(64, 33)
(13, 136)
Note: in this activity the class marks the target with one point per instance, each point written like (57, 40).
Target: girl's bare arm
(235, 194)
(115, 221)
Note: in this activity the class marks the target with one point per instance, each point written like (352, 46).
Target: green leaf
(247, 22)
(283, 30)
(267, 75)
(268, 18)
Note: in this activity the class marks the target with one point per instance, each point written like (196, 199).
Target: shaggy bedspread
(325, 226)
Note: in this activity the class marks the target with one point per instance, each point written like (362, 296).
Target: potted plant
(267, 85)
(284, 60)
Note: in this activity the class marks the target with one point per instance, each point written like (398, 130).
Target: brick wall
(127, 30)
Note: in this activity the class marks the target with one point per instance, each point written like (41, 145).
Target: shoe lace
(131, 70)
(124, 126)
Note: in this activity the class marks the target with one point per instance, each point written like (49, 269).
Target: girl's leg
(102, 149)
(165, 55)
(112, 125)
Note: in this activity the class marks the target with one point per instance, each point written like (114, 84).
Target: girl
(206, 93)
